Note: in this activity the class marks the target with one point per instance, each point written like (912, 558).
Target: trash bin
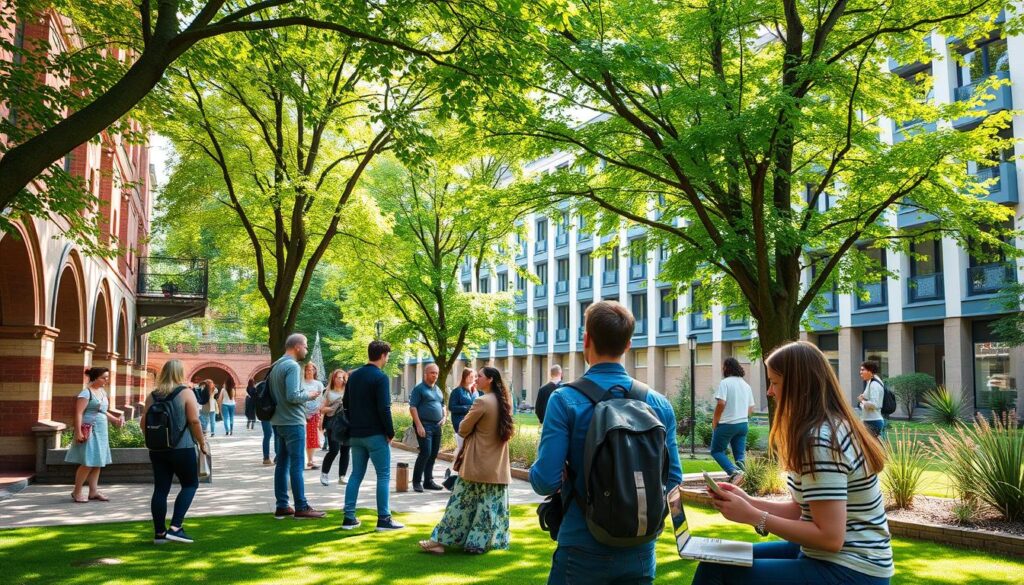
(402, 478)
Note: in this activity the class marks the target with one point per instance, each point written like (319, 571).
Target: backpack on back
(888, 399)
(266, 404)
(160, 432)
(625, 467)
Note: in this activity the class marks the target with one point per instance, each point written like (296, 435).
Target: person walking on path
(289, 423)
(367, 401)
(477, 515)
(332, 407)
(544, 394)
(734, 401)
(314, 388)
(250, 405)
(608, 331)
(834, 527)
(208, 414)
(91, 449)
(227, 408)
(459, 402)
(426, 404)
(180, 460)
(870, 401)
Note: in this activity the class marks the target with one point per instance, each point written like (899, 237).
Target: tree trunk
(772, 334)
(277, 333)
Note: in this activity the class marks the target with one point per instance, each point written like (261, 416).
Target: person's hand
(79, 437)
(205, 448)
(314, 393)
(420, 431)
(733, 489)
(736, 508)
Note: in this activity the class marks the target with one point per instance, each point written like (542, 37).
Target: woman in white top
(870, 401)
(734, 401)
(833, 527)
(227, 407)
(309, 383)
(332, 405)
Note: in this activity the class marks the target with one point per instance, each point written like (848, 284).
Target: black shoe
(432, 486)
(179, 536)
(350, 523)
(160, 538)
(386, 523)
(449, 482)
(447, 473)
(417, 488)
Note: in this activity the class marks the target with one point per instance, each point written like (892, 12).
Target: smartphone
(713, 486)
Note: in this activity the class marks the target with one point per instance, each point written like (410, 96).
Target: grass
(259, 549)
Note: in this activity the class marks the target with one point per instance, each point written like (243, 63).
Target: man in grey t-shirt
(426, 404)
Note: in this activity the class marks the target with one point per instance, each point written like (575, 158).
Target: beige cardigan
(484, 457)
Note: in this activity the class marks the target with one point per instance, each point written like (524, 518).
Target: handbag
(86, 431)
(340, 429)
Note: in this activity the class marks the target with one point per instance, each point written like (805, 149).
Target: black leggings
(166, 464)
(334, 450)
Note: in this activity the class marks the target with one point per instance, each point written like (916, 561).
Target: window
(988, 59)
(542, 326)
(828, 343)
(520, 282)
(925, 271)
(586, 268)
(521, 329)
(563, 316)
(638, 302)
(466, 287)
(703, 355)
(669, 308)
(876, 349)
(611, 267)
(640, 358)
(542, 230)
(563, 270)
(673, 359)
(484, 285)
(995, 386)
(637, 260)
(873, 294)
(502, 281)
(583, 318)
(542, 273)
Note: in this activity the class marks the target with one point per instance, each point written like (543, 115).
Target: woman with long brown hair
(332, 406)
(834, 527)
(477, 517)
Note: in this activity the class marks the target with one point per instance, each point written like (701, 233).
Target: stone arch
(258, 373)
(21, 288)
(102, 322)
(122, 342)
(68, 312)
(216, 371)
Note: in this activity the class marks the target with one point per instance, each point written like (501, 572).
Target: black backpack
(339, 428)
(266, 404)
(160, 432)
(888, 398)
(625, 466)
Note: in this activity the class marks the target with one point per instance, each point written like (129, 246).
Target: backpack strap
(595, 393)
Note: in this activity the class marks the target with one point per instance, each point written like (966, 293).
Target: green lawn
(526, 419)
(259, 549)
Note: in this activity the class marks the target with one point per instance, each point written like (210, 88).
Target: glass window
(828, 343)
(520, 282)
(926, 258)
(484, 285)
(611, 262)
(466, 287)
(876, 349)
(563, 269)
(636, 253)
(994, 383)
(563, 316)
(502, 281)
(703, 355)
(542, 230)
(542, 272)
(563, 223)
(673, 358)
(585, 264)
(640, 358)
(542, 321)
(988, 59)
(930, 352)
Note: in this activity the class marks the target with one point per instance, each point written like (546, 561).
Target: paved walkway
(242, 485)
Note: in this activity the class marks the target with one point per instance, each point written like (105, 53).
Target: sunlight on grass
(258, 549)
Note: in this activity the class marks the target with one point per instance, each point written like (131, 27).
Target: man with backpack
(608, 446)
(872, 399)
(289, 422)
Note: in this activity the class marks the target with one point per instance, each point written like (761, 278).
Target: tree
(409, 275)
(100, 88)
(725, 127)
(281, 141)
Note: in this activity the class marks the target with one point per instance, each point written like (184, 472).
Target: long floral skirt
(476, 517)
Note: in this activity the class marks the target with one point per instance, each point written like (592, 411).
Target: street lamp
(380, 329)
(691, 341)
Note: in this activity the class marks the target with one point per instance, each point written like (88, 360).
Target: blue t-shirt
(429, 403)
(563, 437)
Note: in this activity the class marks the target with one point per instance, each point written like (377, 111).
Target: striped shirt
(841, 474)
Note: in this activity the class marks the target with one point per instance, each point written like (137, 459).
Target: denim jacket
(459, 403)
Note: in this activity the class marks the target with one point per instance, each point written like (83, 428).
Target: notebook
(712, 550)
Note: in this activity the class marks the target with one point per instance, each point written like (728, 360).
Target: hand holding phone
(713, 486)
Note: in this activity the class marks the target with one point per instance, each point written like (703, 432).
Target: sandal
(99, 497)
(434, 548)
(78, 500)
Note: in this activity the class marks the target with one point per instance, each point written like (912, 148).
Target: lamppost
(380, 329)
(691, 341)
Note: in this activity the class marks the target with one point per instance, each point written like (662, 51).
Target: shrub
(943, 407)
(965, 511)
(909, 388)
(401, 418)
(447, 436)
(762, 475)
(704, 432)
(992, 457)
(128, 436)
(905, 463)
(522, 449)
(753, 437)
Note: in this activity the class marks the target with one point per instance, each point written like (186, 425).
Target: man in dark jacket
(554, 379)
(367, 401)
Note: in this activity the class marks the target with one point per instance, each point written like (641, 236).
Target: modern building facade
(935, 318)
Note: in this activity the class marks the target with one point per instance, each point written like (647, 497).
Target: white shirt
(738, 399)
(874, 394)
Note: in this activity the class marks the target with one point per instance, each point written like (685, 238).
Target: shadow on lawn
(259, 549)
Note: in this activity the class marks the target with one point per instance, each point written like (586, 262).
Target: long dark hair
(731, 367)
(506, 426)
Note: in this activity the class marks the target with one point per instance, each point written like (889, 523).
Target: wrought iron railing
(989, 278)
(173, 277)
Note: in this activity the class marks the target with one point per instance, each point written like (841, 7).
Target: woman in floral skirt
(477, 517)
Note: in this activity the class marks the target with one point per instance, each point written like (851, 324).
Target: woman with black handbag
(332, 407)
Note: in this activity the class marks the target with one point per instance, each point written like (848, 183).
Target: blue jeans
(268, 436)
(166, 465)
(429, 444)
(782, 563)
(291, 457)
(227, 412)
(378, 450)
(572, 565)
(725, 435)
(209, 422)
(877, 427)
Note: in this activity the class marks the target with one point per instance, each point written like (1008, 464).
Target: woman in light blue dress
(91, 453)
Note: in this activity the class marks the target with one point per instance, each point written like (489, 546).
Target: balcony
(912, 128)
(875, 296)
(731, 321)
(562, 335)
(521, 340)
(540, 246)
(637, 272)
(171, 288)
(542, 337)
(1004, 189)
(926, 287)
(561, 239)
(585, 282)
(519, 296)
(699, 321)
(540, 291)
(640, 328)
(561, 287)
(987, 279)
(1001, 99)
(583, 237)
(668, 325)
(610, 277)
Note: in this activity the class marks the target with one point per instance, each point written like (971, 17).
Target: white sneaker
(324, 479)
(342, 480)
